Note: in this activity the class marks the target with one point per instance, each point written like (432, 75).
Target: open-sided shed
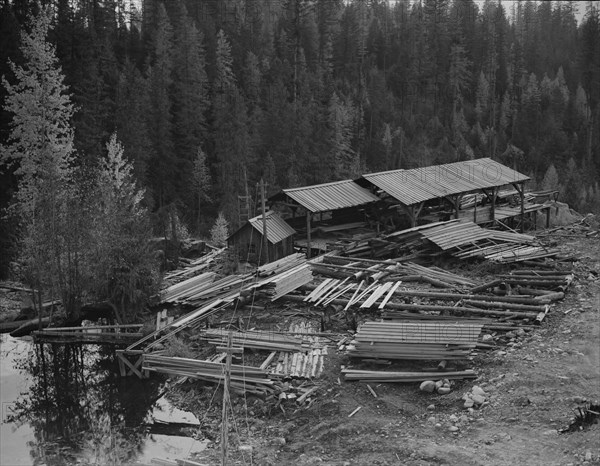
(248, 240)
(413, 188)
(327, 197)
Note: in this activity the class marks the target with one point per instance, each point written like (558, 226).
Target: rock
(521, 332)
(588, 455)
(245, 448)
(469, 403)
(438, 425)
(279, 441)
(453, 418)
(478, 399)
(453, 429)
(464, 418)
(431, 408)
(427, 386)
(510, 334)
(487, 338)
(432, 420)
(439, 384)
(443, 390)
(477, 390)
(579, 399)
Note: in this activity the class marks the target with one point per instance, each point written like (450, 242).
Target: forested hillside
(209, 96)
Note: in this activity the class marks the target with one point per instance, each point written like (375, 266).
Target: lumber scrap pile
(434, 275)
(195, 266)
(245, 379)
(460, 238)
(415, 340)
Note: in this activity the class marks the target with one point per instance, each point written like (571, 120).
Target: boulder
(427, 386)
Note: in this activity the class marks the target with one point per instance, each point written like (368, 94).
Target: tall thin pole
(224, 420)
(264, 221)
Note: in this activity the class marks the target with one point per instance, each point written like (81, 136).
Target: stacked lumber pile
(288, 281)
(186, 288)
(281, 265)
(245, 379)
(415, 340)
(401, 376)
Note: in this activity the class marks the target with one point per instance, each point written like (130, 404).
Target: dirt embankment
(534, 382)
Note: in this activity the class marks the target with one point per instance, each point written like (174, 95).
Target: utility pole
(226, 403)
(265, 245)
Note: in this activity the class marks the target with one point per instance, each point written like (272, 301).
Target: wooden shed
(247, 241)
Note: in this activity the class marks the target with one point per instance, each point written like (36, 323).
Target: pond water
(64, 405)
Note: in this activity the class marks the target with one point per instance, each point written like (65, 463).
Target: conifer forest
(207, 97)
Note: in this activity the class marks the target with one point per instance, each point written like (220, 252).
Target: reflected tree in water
(79, 408)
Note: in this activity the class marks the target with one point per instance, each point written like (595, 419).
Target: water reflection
(76, 407)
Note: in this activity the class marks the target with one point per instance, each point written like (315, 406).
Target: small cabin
(247, 241)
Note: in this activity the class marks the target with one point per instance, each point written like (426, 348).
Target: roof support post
(493, 206)
(520, 187)
(413, 212)
(308, 234)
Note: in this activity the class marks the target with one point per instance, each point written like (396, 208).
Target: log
(501, 305)
(25, 327)
(331, 272)
(486, 286)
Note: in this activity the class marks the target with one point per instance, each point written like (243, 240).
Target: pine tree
(550, 181)
(220, 230)
(131, 120)
(125, 269)
(230, 131)
(160, 120)
(202, 182)
(190, 97)
(41, 144)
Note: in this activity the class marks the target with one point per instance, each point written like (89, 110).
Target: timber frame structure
(414, 189)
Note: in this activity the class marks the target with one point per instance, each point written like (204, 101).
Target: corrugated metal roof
(330, 196)
(277, 228)
(422, 184)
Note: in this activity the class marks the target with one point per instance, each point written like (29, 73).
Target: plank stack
(415, 340)
(245, 379)
(262, 340)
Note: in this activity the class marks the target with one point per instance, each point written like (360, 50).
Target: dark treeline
(209, 96)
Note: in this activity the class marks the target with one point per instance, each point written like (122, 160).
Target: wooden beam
(308, 239)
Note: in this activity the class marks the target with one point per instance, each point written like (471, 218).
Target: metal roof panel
(423, 184)
(331, 196)
(277, 228)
